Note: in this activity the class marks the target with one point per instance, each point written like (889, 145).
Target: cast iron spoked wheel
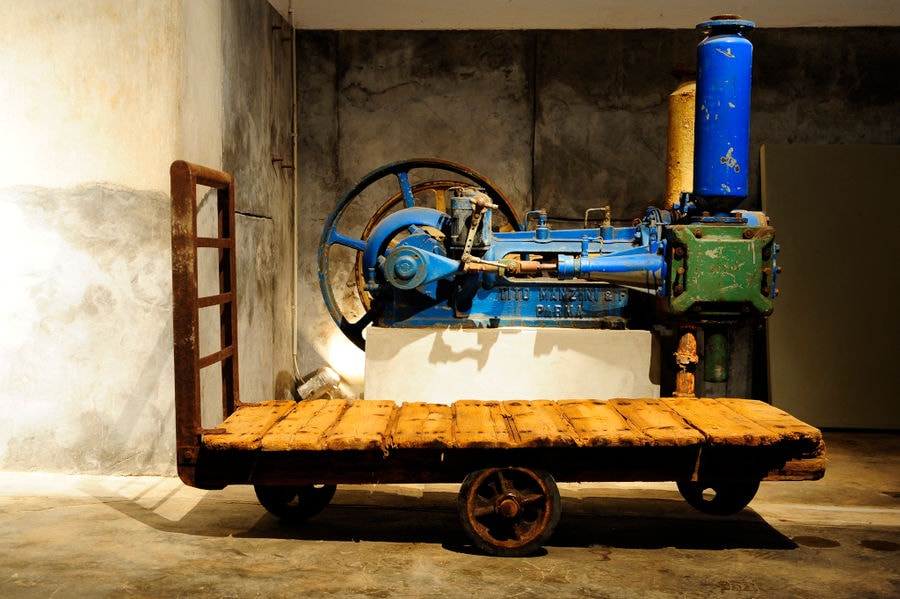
(406, 197)
(294, 504)
(509, 512)
(719, 498)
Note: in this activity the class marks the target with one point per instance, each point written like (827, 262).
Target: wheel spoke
(354, 330)
(483, 508)
(522, 529)
(406, 189)
(492, 487)
(506, 485)
(350, 242)
(532, 498)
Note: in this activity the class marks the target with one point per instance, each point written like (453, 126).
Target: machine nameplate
(561, 301)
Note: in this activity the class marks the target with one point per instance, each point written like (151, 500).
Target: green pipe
(715, 358)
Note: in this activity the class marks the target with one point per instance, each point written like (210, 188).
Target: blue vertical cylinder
(722, 115)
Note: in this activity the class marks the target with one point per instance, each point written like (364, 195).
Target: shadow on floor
(373, 516)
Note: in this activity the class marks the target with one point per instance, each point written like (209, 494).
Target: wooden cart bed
(364, 441)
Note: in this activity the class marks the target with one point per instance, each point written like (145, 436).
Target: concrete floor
(91, 536)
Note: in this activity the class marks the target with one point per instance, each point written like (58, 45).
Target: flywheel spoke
(346, 241)
(406, 189)
(354, 330)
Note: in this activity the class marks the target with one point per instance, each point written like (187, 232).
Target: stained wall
(98, 100)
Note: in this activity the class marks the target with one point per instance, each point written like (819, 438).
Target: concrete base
(444, 365)
(92, 536)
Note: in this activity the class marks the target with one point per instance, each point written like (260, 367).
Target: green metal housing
(721, 269)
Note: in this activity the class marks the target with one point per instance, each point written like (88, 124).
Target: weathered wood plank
(539, 423)
(778, 421)
(305, 426)
(807, 468)
(423, 425)
(245, 428)
(362, 426)
(657, 421)
(598, 424)
(481, 424)
(721, 424)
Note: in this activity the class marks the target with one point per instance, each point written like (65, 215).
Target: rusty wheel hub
(509, 507)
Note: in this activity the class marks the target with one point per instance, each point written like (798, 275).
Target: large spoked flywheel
(416, 183)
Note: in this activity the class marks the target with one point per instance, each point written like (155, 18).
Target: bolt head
(405, 268)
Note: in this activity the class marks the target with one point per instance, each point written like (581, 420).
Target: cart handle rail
(185, 177)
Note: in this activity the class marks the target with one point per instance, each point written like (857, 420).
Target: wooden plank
(658, 421)
(481, 424)
(806, 468)
(423, 425)
(539, 423)
(363, 426)
(245, 428)
(305, 426)
(719, 423)
(777, 420)
(597, 424)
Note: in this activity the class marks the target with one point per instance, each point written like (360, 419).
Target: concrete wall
(97, 101)
(258, 106)
(563, 120)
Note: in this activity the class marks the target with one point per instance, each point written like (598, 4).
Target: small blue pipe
(647, 270)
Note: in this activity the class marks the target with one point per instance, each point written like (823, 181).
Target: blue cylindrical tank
(722, 115)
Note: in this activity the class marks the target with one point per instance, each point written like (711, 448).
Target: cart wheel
(294, 504)
(719, 498)
(509, 512)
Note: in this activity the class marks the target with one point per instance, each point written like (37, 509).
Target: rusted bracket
(686, 359)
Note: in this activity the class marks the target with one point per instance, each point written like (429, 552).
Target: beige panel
(833, 336)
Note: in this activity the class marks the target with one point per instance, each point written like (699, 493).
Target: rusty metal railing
(185, 178)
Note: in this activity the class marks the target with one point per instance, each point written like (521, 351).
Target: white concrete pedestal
(444, 365)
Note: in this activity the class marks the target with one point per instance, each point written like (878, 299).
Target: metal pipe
(680, 139)
(295, 197)
(644, 270)
(715, 355)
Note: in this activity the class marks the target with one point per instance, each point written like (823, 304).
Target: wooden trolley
(507, 455)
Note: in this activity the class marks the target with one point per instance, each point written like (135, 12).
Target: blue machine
(457, 263)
